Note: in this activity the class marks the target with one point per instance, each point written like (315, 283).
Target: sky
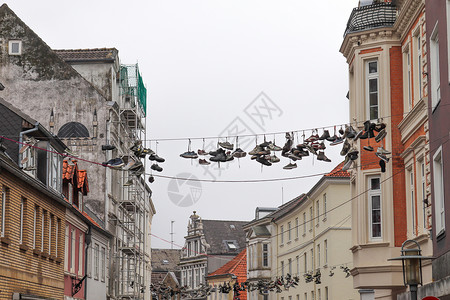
(215, 69)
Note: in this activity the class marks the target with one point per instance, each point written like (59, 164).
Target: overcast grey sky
(203, 63)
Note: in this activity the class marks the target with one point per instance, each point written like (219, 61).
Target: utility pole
(171, 234)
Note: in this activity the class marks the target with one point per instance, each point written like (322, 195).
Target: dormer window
(165, 262)
(231, 245)
(15, 47)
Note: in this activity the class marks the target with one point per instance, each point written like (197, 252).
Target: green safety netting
(132, 85)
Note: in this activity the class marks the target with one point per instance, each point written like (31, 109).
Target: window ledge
(324, 219)
(310, 230)
(23, 247)
(440, 235)
(5, 240)
(36, 252)
(51, 257)
(282, 245)
(58, 260)
(303, 235)
(44, 254)
(289, 242)
(296, 239)
(317, 225)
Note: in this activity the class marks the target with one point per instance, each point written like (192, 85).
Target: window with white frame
(325, 250)
(197, 277)
(311, 217)
(407, 79)
(50, 217)
(96, 260)
(3, 212)
(44, 215)
(318, 255)
(103, 264)
(72, 250)
(282, 234)
(417, 44)
(297, 259)
(54, 169)
(312, 258)
(35, 223)
(372, 89)
(80, 254)
(290, 266)
(423, 187)
(319, 296)
(66, 247)
(282, 268)
(15, 47)
(305, 263)
(296, 228)
(438, 180)
(306, 296)
(312, 295)
(22, 220)
(317, 212)
(412, 201)
(324, 200)
(326, 293)
(435, 69)
(374, 196)
(289, 231)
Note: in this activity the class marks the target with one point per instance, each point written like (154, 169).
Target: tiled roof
(337, 172)
(238, 267)
(91, 220)
(165, 259)
(218, 231)
(69, 172)
(97, 54)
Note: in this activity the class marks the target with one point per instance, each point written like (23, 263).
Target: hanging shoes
(226, 145)
(115, 163)
(383, 157)
(382, 164)
(239, 153)
(263, 160)
(325, 135)
(381, 150)
(347, 163)
(290, 166)
(189, 154)
(321, 156)
(274, 147)
(368, 148)
(151, 179)
(381, 135)
(202, 152)
(155, 157)
(203, 161)
(157, 168)
(345, 148)
(274, 159)
(256, 150)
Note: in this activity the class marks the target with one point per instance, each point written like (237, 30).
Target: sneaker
(337, 141)
(353, 154)
(24, 148)
(380, 126)
(312, 138)
(115, 163)
(383, 157)
(350, 132)
(155, 157)
(332, 138)
(138, 173)
(263, 160)
(230, 157)
(367, 125)
(189, 154)
(347, 164)
(129, 182)
(325, 135)
(345, 148)
(381, 150)
(151, 179)
(368, 148)
(220, 157)
(24, 160)
(321, 156)
(214, 153)
(226, 145)
(148, 151)
(294, 157)
(382, 164)
(288, 145)
(254, 157)
(274, 159)
(239, 153)
(203, 161)
(358, 135)
(311, 149)
(137, 144)
(156, 167)
(370, 134)
(265, 144)
(255, 150)
(318, 146)
(136, 166)
(364, 136)
(274, 147)
(263, 152)
(129, 164)
(381, 135)
(108, 147)
(290, 166)
(202, 152)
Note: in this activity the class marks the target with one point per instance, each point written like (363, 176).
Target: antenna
(171, 234)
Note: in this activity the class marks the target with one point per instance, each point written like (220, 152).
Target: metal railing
(371, 16)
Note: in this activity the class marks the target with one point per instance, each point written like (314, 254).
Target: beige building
(310, 237)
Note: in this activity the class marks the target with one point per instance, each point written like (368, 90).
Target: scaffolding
(132, 207)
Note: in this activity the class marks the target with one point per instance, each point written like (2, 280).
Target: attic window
(165, 262)
(232, 226)
(15, 47)
(231, 246)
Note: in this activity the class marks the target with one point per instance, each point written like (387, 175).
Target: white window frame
(412, 200)
(407, 77)
(56, 236)
(311, 216)
(282, 268)
(325, 249)
(305, 261)
(417, 59)
(289, 231)
(304, 223)
(424, 192)
(66, 248)
(96, 260)
(11, 44)
(80, 254)
(297, 259)
(22, 210)
(282, 234)
(72, 250)
(54, 169)
(438, 195)
(43, 230)
(435, 68)
(324, 200)
(50, 234)
(368, 77)
(265, 255)
(290, 266)
(318, 256)
(103, 264)
(317, 212)
(312, 258)
(296, 228)
(374, 193)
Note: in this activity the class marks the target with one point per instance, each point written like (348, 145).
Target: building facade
(32, 210)
(209, 245)
(386, 50)
(97, 106)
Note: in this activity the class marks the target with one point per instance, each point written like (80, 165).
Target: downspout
(36, 127)
(88, 242)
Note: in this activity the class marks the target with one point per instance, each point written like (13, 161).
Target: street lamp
(412, 267)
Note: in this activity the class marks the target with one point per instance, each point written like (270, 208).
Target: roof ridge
(86, 49)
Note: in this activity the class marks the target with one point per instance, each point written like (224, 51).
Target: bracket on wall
(76, 286)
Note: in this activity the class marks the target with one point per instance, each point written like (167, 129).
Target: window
(44, 213)
(317, 212)
(319, 295)
(72, 251)
(312, 295)
(282, 268)
(290, 266)
(438, 180)
(306, 296)
(318, 255)
(297, 258)
(312, 259)
(324, 200)
(54, 169)
(325, 249)
(265, 255)
(407, 84)
(50, 217)
(15, 48)
(418, 66)
(70, 193)
(311, 217)
(196, 247)
(326, 293)
(66, 248)
(35, 223)
(230, 245)
(57, 224)
(290, 297)
(80, 254)
(296, 228)
(282, 234)
(289, 231)
(3, 212)
(189, 249)
(372, 89)
(374, 195)
(305, 261)
(423, 185)
(304, 223)
(22, 215)
(435, 71)
(412, 201)
(197, 277)
(96, 261)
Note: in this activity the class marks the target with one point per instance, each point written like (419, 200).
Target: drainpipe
(88, 239)
(36, 127)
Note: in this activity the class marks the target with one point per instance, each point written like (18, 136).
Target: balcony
(371, 16)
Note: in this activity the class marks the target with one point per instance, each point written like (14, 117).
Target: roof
(86, 55)
(165, 259)
(217, 232)
(237, 266)
(81, 176)
(337, 172)
(261, 230)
